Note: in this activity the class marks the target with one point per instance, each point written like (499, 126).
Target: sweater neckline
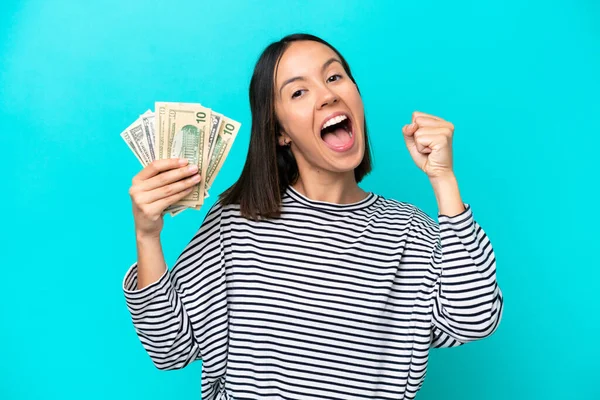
(325, 205)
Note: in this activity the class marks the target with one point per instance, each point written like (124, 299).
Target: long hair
(271, 168)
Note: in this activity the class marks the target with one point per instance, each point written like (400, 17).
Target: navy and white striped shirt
(330, 301)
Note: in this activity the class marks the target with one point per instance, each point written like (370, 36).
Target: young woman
(299, 284)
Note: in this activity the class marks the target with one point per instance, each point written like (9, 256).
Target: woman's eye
(297, 93)
(334, 77)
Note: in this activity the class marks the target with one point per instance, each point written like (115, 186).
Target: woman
(299, 284)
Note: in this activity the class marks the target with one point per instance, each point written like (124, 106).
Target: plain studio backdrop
(520, 81)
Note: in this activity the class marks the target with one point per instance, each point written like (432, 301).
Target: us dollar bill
(160, 128)
(183, 130)
(186, 138)
(134, 136)
(129, 141)
(223, 143)
(149, 134)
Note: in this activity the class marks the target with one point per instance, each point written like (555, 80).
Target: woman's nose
(327, 98)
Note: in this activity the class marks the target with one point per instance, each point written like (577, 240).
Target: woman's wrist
(447, 195)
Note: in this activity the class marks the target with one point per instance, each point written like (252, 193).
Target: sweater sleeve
(467, 301)
(182, 317)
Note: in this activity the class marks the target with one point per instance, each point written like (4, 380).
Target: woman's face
(319, 109)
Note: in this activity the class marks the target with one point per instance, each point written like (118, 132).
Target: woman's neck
(340, 189)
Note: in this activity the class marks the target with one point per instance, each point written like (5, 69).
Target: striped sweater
(330, 301)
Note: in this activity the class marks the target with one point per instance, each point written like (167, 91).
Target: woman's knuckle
(144, 211)
(136, 199)
(163, 180)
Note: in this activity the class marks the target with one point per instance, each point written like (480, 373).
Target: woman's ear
(284, 139)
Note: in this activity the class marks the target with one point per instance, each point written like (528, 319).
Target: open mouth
(337, 132)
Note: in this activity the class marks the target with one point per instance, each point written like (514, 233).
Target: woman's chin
(348, 164)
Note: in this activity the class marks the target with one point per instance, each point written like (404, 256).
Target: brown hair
(271, 168)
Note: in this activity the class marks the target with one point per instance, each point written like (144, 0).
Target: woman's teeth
(334, 120)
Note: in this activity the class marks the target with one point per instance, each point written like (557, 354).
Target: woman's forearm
(151, 261)
(447, 195)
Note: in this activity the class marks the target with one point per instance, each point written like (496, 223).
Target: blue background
(519, 81)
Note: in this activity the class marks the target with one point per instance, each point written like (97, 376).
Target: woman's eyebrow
(301, 78)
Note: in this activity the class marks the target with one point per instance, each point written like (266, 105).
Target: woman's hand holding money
(156, 187)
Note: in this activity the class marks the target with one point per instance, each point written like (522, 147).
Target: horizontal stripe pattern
(329, 301)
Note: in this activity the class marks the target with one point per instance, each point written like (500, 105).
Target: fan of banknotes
(184, 130)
